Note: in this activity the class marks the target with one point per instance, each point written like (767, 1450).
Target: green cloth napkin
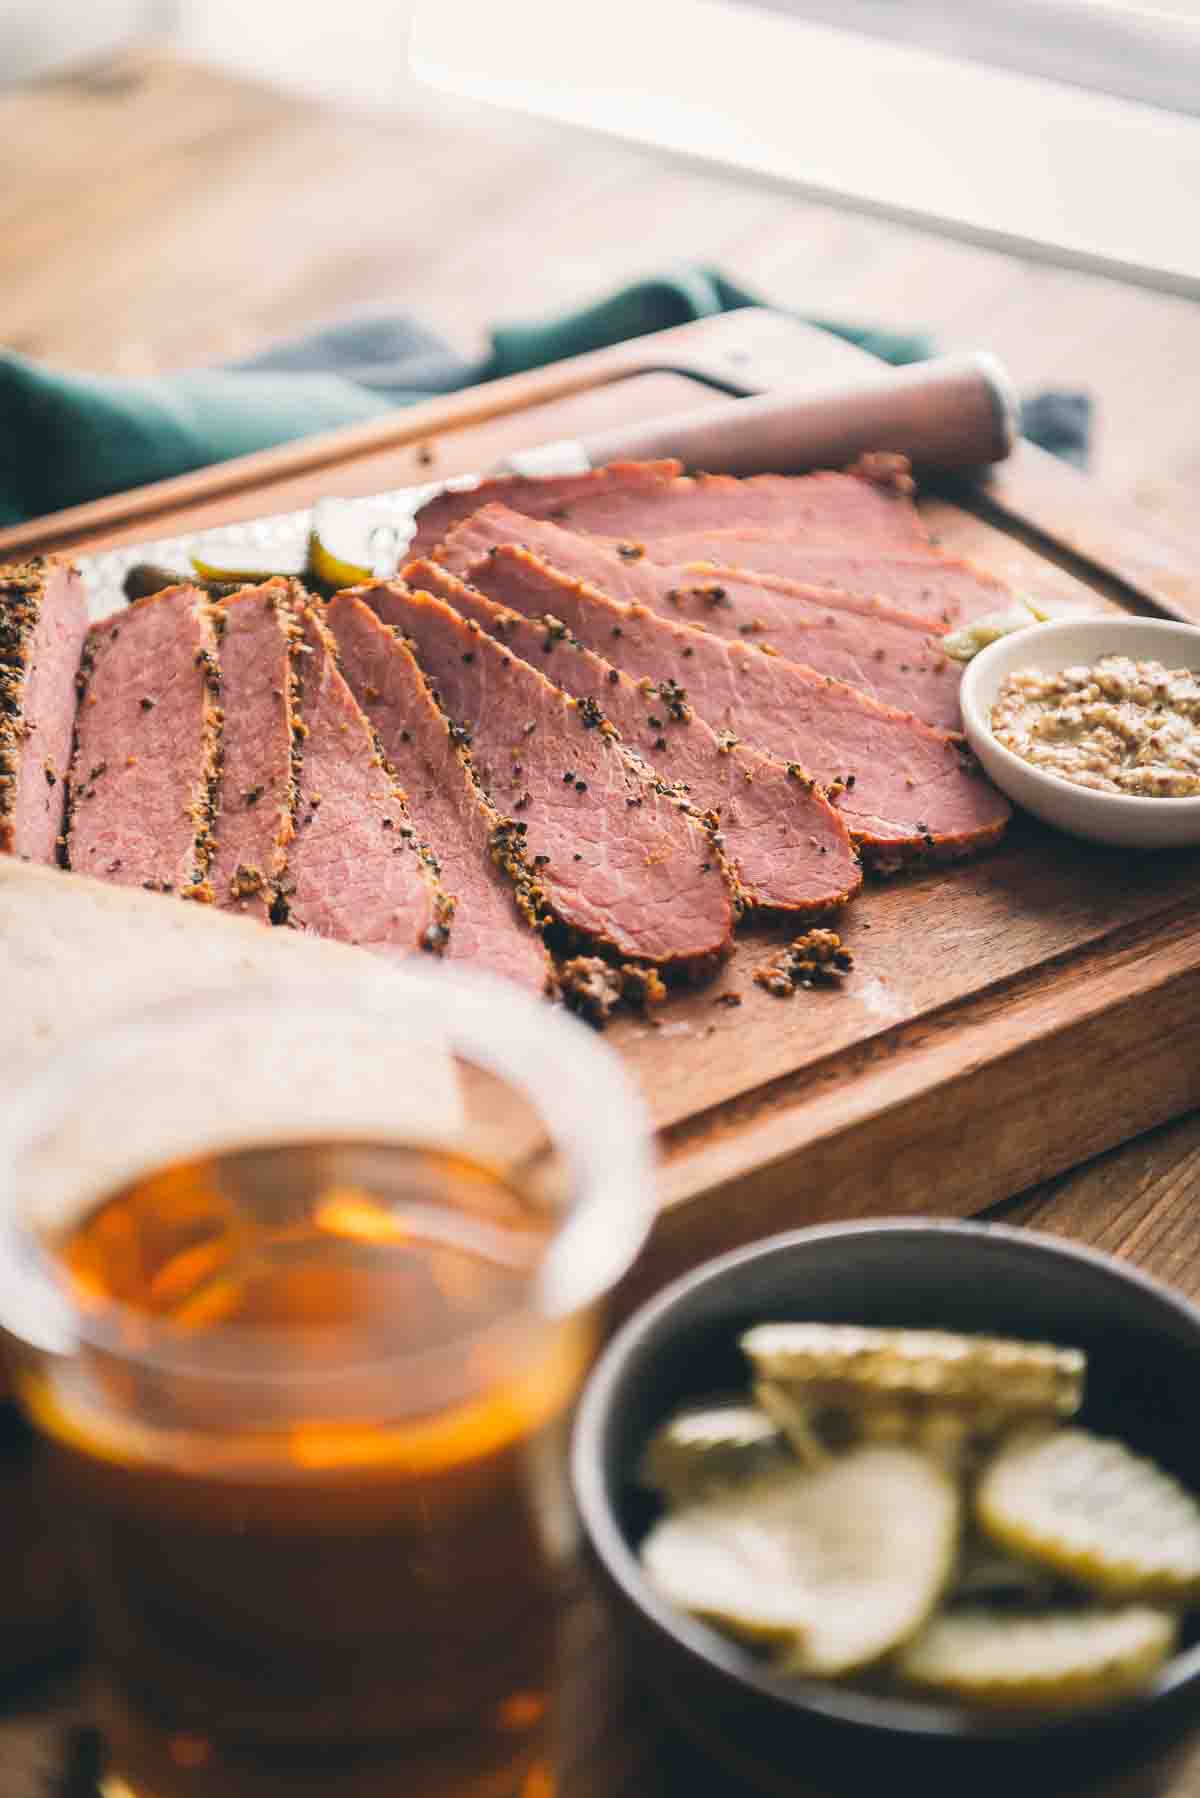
(66, 438)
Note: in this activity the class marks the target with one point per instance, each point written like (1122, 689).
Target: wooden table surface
(155, 215)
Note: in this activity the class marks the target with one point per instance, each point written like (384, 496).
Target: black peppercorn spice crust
(594, 988)
(602, 900)
(214, 719)
(815, 959)
(42, 591)
(20, 595)
(319, 639)
(258, 873)
(200, 793)
(773, 867)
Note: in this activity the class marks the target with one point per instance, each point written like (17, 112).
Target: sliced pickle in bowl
(1091, 1509)
(838, 1566)
(917, 1513)
(1013, 1377)
(707, 1448)
(789, 1409)
(1049, 1660)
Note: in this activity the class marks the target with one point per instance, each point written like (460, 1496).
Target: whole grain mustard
(1118, 727)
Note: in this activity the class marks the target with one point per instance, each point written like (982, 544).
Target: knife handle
(951, 412)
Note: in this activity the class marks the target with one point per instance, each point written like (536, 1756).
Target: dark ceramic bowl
(789, 1735)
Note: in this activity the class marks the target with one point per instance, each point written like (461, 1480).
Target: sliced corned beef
(620, 857)
(43, 622)
(946, 590)
(356, 871)
(143, 774)
(788, 848)
(256, 794)
(540, 497)
(894, 656)
(495, 923)
(868, 507)
(906, 789)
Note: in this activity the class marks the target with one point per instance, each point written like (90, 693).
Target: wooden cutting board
(1004, 1021)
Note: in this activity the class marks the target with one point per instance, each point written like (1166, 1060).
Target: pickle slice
(840, 1565)
(1007, 1376)
(820, 1418)
(1090, 1508)
(1050, 1661)
(788, 1407)
(708, 1448)
(352, 541)
(967, 641)
(231, 558)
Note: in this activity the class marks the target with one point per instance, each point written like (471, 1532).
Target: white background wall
(352, 49)
(37, 36)
(348, 49)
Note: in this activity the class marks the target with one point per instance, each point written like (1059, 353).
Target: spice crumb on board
(595, 988)
(815, 959)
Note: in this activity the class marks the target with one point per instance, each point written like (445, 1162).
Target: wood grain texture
(1033, 1078)
(770, 1111)
(1138, 1202)
(1142, 563)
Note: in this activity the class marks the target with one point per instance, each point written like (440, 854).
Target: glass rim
(556, 1062)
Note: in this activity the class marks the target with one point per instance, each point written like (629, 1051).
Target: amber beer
(316, 1473)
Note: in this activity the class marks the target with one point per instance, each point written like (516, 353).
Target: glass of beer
(299, 1285)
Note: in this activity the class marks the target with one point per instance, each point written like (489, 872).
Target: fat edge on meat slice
(788, 847)
(894, 656)
(43, 622)
(904, 790)
(624, 862)
(145, 765)
(356, 870)
(498, 903)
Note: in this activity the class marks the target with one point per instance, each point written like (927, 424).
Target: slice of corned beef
(905, 789)
(356, 870)
(893, 655)
(620, 858)
(257, 791)
(143, 775)
(43, 622)
(946, 590)
(868, 506)
(541, 497)
(788, 848)
(495, 921)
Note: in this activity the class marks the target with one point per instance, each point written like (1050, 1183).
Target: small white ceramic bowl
(1122, 818)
